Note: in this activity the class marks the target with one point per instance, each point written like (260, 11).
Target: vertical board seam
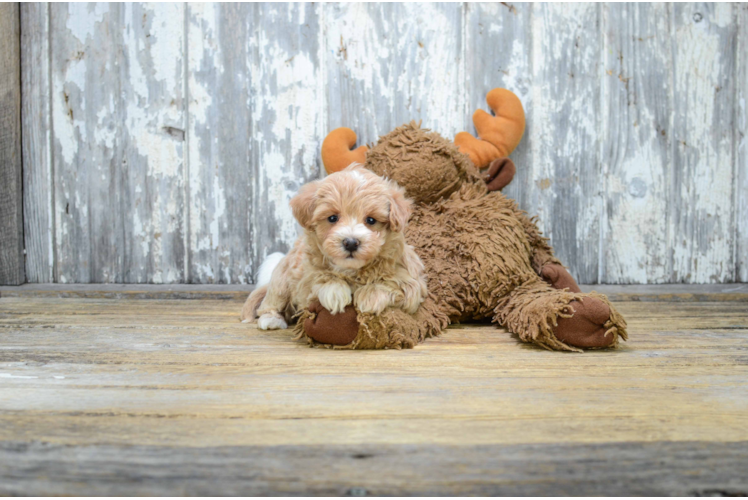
(531, 195)
(50, 144)
(186, 149)
(735, 148)
(122, 258)
(323, 102)
(605, 168)
(466, 99)
(20, 141)
(741, 148)
(255, 148)
(671, 157)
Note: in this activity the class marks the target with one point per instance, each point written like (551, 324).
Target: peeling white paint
(65, 126)
(219, 210)
(83, 16)
(635, 117)
(202, 48)
(702, 239)
(141, 233)
(741, 189)
(274, 180)
(294, 129)
(167, 32)
(564, 140)
(403, 62)
(377, 67)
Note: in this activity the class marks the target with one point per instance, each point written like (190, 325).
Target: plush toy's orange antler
(336, 150)
(499, 134)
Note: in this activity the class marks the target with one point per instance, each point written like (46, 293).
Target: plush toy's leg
(392, 329)
(558, 277)
(322, 327)
(542, 259)
(558, 319)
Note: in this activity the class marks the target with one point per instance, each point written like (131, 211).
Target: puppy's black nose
(350, 244)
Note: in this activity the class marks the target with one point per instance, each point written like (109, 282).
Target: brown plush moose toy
(484, 257)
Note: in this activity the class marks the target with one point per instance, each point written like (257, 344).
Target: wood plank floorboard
(102, 396)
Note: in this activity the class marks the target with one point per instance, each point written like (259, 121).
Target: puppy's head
(352, 214)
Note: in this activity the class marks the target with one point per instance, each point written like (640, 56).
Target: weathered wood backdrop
(11, 203)
(162, 142)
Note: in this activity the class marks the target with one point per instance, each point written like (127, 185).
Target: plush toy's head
(430, 167)
(427, 165)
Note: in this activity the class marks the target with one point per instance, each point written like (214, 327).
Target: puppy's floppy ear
(304, 203)
(399, 208)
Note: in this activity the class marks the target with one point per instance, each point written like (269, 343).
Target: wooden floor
(102, 396)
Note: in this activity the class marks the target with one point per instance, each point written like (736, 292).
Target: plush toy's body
(484, 257)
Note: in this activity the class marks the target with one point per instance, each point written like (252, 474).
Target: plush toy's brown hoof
(587, 327)
(559, 278)
(326, 328)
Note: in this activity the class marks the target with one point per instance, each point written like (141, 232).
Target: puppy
(352, 250)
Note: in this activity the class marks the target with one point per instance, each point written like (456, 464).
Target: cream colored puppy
(352, 250)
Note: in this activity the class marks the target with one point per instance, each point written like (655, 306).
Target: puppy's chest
(358, 279)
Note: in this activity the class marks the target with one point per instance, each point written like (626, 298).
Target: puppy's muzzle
(350, 244)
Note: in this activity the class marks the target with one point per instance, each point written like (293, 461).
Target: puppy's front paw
(413, 294)
(373, 299)
(334, 296)
(270, 321)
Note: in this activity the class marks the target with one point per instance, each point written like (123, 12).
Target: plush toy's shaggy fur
(483, 256)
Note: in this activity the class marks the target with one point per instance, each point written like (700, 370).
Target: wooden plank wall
(11, 208)
(162, 142)
(741, 147)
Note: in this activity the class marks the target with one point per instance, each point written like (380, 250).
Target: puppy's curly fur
(352, 250)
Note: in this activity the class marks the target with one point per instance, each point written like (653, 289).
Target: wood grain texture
(701, 199)
(117, 111)
(565, 142)
(38, 176)
(11, 183)
(288, 109)
(170, 396)
(287, 113)
(188, 373)
(254, 134)
(390, 63)
(737, 292)
(627, 469)
(148, 291)
(218, 138)
(636, 159)
(634, 154)
(618, 293)
(499, 53)
(741, 146)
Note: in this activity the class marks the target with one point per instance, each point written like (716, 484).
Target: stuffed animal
(484, 257)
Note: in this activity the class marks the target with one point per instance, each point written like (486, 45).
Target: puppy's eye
(332, 219)
(371, 221)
